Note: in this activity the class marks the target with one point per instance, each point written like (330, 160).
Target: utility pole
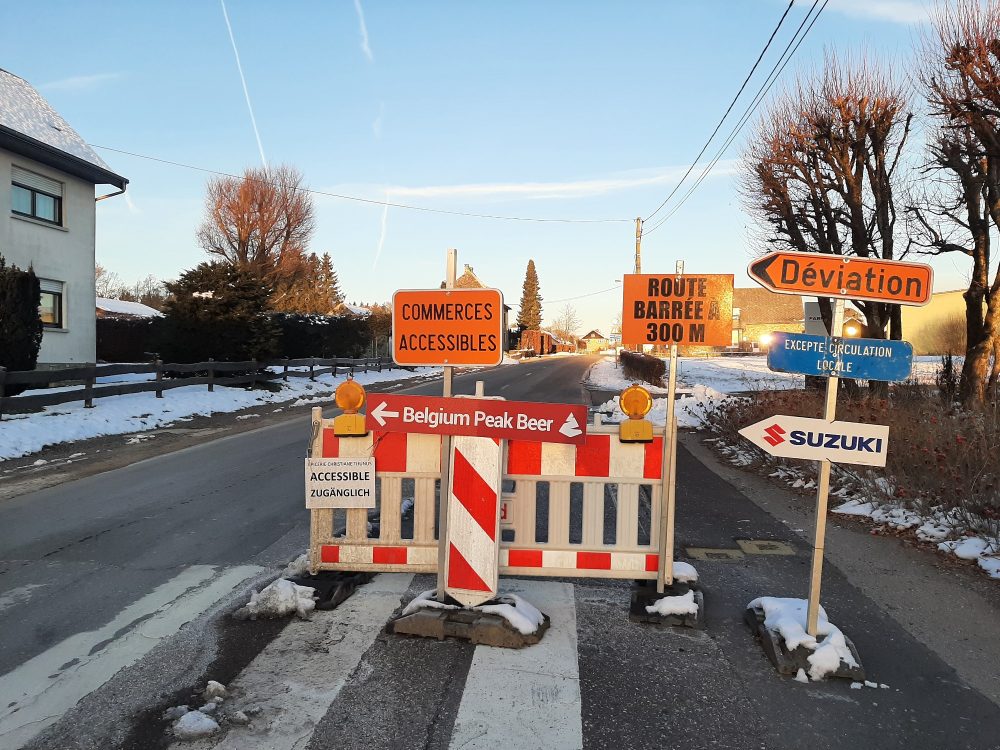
(638, 244)
(638, 257)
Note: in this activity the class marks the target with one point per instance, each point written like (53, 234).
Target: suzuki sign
(817, 440)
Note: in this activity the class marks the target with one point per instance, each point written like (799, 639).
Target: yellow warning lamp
(636, 402)
(350, 397)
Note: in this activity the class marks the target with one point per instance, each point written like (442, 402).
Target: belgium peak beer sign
(824, 275)
(689, 309)
(433, 327)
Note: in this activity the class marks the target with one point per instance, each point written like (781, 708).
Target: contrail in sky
(364, 31)
(381, 237)
(246, 92)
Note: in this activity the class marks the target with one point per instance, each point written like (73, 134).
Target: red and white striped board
(472, 559)
(602, 456)
(394, 452)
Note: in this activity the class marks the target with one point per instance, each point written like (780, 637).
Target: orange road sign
(824, 275)
(691, 309)
(447, 327)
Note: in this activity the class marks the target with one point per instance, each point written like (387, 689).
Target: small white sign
(340, 483)
(816, 439)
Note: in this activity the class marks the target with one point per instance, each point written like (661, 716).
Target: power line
(776, 72)
(370, 201)
(581, 296)
(726, 113)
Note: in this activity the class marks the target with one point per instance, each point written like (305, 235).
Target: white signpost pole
(823, 490)
(665, 576)
(449, 283)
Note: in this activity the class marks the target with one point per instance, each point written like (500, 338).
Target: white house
(48, 216)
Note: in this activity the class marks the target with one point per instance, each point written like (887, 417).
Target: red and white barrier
(471, 569)
(475, 553)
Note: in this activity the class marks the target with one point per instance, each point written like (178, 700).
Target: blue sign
(864, 359)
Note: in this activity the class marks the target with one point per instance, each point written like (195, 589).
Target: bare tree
(150, 291)
(820, 171)
(567, 323)
(108, 284)
(960, 74)
(260, 222)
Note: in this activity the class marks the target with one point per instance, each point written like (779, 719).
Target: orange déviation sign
(692, 309)
(447, 327)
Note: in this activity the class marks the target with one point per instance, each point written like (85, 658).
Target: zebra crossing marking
(526, 698)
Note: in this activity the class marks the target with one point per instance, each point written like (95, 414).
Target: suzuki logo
(774, 433)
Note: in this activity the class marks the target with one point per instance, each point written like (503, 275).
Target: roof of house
(468, 280)
(29, 126)
(595, 334)
(121, 307)
(757, 305)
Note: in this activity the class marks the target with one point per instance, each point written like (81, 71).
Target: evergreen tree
(217, 310)
(330, 283)
(20, 324)
(529, 317)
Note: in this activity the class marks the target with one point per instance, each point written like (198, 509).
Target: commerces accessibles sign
(864, 359)
(432, 327)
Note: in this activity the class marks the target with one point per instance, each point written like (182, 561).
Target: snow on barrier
(556, 512)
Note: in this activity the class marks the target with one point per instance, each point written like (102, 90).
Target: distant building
(117, 308)
(345, 308)
(48, 216)
(758, 312)
(469, 280)
(595, 341)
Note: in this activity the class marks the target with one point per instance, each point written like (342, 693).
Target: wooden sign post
(695, 310)
(839, 278)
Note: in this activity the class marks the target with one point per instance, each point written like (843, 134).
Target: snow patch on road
(280, 598)
(193, 725)
(674, 605)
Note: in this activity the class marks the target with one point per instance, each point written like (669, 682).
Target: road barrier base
(644, 595)
(467, 625)
(790, 662)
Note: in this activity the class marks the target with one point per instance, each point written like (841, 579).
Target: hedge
(643, 367)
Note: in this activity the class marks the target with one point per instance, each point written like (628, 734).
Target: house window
(50, 309)
(35, 196)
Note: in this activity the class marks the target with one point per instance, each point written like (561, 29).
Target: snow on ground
(193, 725)
(520, 613)
(674, 605)
(685, 572)
(788, 618)
(690, 409)
(936, 527)
(280, 598)
(21, 434)
(608, 375)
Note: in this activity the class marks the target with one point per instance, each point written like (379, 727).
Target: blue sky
(576, 110)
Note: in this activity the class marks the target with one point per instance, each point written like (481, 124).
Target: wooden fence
(207, 373)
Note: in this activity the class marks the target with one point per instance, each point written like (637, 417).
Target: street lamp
(852, 329)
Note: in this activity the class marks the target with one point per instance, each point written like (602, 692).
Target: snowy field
(706, 381)
(21, 434)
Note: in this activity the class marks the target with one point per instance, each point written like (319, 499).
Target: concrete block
(644, 594)
(466, 625)
(790, 662)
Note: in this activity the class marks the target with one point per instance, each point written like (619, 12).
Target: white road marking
(296, 678)
(34, 695)
(526, 698)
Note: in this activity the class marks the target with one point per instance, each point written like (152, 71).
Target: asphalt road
(76, 552)
(104, 545)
